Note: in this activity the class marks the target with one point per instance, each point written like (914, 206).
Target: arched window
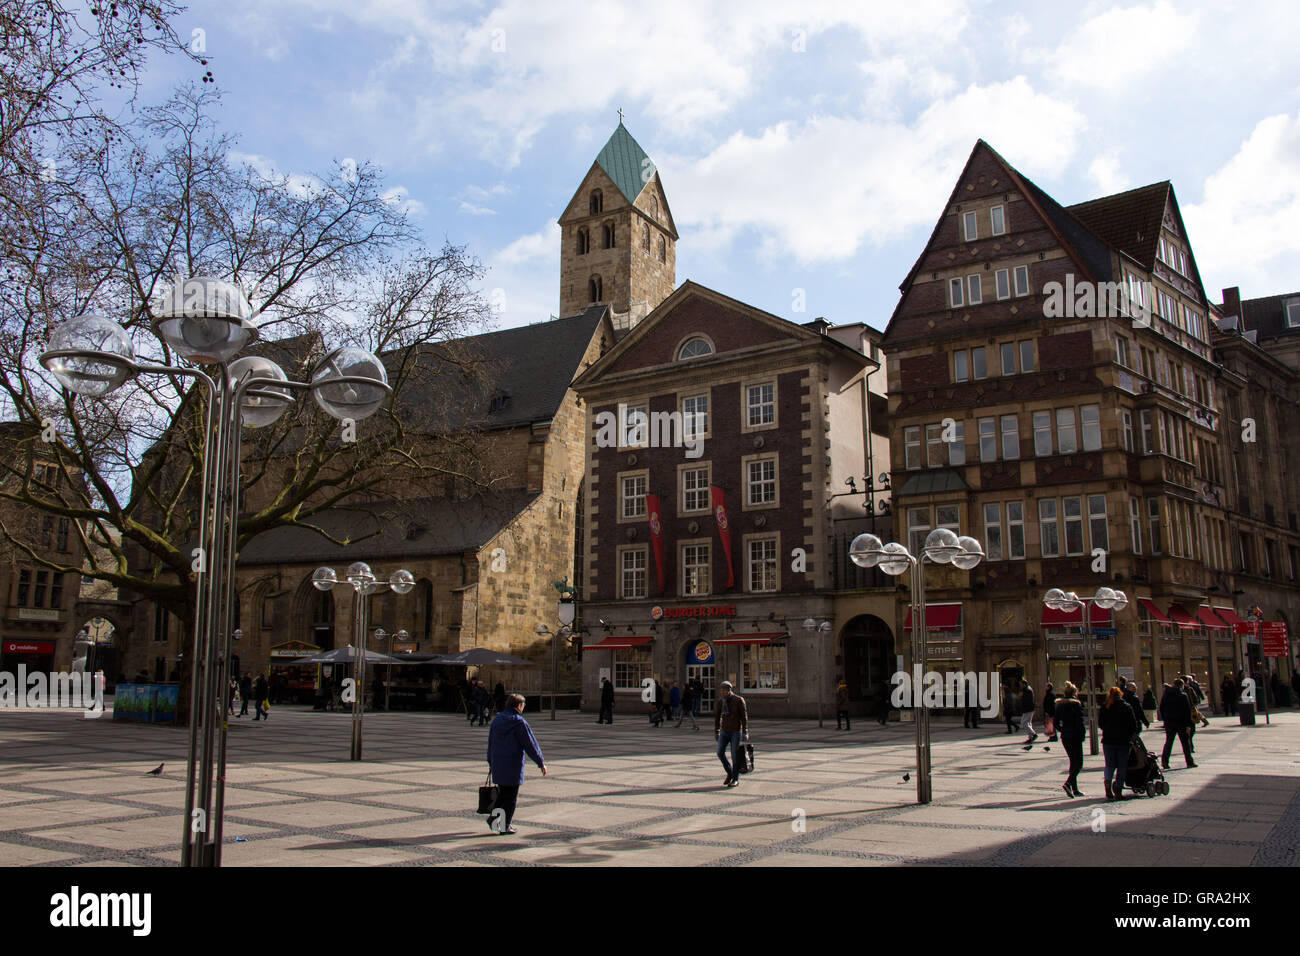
(609, 235)
(597, 204)
(654, 208)
(645, 239)
(584, 241)
(694, 348)
(663, 250)
(595, 289)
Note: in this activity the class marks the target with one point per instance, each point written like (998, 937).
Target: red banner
(719, 503)
(652, 506)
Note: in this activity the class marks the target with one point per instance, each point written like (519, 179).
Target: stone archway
(116, 617)
(869, 662)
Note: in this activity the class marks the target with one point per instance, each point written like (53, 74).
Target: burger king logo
(656, 613)
(721, 514)
(655, 526)
(703, 652)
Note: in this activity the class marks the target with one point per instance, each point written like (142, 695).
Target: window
(595, 289)
(1021, 275)
(1126, 419)
(695, 570)
(993, 532)
(596, 204)
(38, 592)
(1099, 535)
(654, 207)
(607, 230)
(974, 293)
(56, 591)
(695, 489)
(1153, 514)
(47, 531)
(636, 427)
(954, 293)
(761, 481)
(1136, 293)
(979, 368)
(695, 415)
(1135, 523)
(1002, 283)
(763, 667)
(694, 348)
(947, 516)
(997, 219)
(1010, 437)
(1048, 528)
(957, 447)
(988, 439)
(632, 667)
(1121, 351)
(1008, 358)
(961, 366)
(1042, 433)
(762, 564)
(1148, 444)
(645, 239)
(161, 619)
(633, 496)
(1090, 416)
(970, 226)
(632, 577)
(1015, 530)
(1073, 508)
(24, 587)
(760, 404)
(1027, 363)
(64, 528)
(933, 446)
(1066, 439)
(918, 526)
(912, 447)
(1293, 315)
(584, 241)
(663, 250)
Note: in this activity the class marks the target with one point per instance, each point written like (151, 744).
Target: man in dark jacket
(510, 739)
(1131, 698)
(245, 692)
(1176, 712)
(1049, 712)
(1068, 714)
(259, 698)
(606, 701)
(1027, 711)
(1228, 691)
(689, 706)
(730, 726)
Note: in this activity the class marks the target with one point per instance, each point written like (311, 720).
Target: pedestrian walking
(499, 697)
(730, 727)
(510, 740)
(1131, 698)
(606, 701)
(1176, 712)
(1068, 714)
(1118, 728)
(1197, 697)
(233, 694)
(657, 705)
(674, 699)
(1027, 711)
(482, 700)
(697, 695)
(1228, 691)
(689, 704)
(1049, 712)
(260, 710)
(1009, 707)
(245, 692)
(842, 705)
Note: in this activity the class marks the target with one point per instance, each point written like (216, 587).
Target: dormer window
(597, 204)
(694, 348)
(500, 402)
(1293, 314)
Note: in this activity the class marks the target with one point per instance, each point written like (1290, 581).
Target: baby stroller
(1143, 774)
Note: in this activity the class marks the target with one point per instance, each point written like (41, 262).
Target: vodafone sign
(28, 647)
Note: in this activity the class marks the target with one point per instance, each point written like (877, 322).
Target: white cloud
(818, 191)
(1243, 230)
(1114, 50)
(400, 197)
(1106, 173)
(523, 278)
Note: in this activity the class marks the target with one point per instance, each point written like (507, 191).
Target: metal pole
(359, 665)
(1261, 693)
(1092, 689)
(555, 670)
(920, 635)
(821, 677)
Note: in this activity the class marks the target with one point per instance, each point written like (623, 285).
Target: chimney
(1232, 302)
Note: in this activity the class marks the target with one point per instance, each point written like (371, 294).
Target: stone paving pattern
(75, 792)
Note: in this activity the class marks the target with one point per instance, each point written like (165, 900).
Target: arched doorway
(322, 620)
(697, 656)
(95, 648)
(868, 662)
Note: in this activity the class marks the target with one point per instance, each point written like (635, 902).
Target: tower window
(609, 235)
(597, 204)
(645, 239)
(663, 250)
(584, 241)
(654, 207)
(595, 289)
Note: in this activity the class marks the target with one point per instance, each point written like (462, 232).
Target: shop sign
(1073, 647)
(29, 647)
(658, 613)
(37, 614)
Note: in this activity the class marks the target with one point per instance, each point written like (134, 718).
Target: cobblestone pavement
(76, 792)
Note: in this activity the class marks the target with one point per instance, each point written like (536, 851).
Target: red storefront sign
(1273, 636)
(29, 647)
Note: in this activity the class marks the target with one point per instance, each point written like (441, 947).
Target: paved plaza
(76, 792)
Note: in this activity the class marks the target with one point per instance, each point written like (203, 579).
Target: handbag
(487, 795)
(746, 758)
(1051, 726)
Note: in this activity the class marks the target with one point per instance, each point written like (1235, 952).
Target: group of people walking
(682, 703)
(480, 703)
(246, 689)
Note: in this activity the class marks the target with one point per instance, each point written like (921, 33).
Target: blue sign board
(1104, 632)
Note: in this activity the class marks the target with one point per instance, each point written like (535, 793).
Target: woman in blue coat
(510, 739)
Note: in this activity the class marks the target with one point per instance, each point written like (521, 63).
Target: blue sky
(802, 146)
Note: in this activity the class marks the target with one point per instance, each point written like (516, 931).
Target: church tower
(617, 238)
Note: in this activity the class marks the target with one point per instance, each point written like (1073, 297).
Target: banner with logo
(719, 502)
(652, 506)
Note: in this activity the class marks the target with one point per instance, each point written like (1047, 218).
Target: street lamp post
(942, 546)
(823, 627)
(402, 634)
(1107, 599)
(206, 322)
(564, 612)
(363, 582)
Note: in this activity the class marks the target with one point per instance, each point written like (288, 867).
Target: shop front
(33, 656)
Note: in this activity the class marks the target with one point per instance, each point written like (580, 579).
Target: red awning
(618, 644)
(1208, 618)
(1097, 617)
(1229, 615)
(938, 617)
(1178, 614)
(764, 638)
(1157, 615)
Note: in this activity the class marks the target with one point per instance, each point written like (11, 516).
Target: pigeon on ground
(156, 771)
(906, 777)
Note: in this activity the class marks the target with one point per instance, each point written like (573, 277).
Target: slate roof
(621, 159)
(933, 482)
(1267, 315)
(389, 530)
(1094, 251)
(1129, 221)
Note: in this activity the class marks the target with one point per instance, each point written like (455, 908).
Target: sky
(806, 149)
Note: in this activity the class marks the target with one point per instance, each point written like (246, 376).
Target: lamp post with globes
(942, 546)
(1107, 599)
(206, 322)
(564, 612)
(823, 627)
(363, 582)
